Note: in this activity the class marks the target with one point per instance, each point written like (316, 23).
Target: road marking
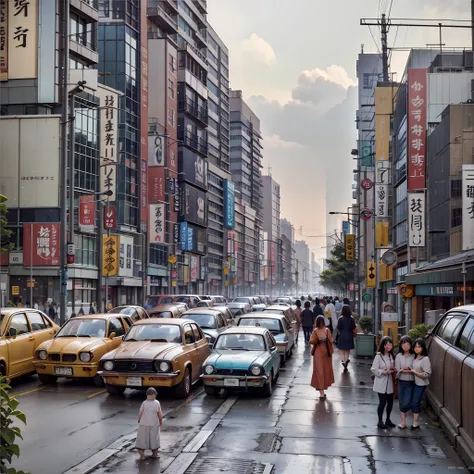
(96, 393)
(181, 463)
(27, 392)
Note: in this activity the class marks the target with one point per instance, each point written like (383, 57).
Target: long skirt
(148, 437)
(323, 374)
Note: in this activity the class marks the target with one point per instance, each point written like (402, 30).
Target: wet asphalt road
(292, 432)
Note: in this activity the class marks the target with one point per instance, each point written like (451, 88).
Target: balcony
(157, 14)
(201, 37)
(196, 111)
(193, 141)
(201, 5)
(194, 53)
(173, 5)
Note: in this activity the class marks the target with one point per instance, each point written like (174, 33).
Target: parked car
(217, 299)
(286, 311)
(243, 358)
(451, 351)
(205, 304)
(77, 348)
(167, 311)
(190, 300)
(234, 307)
(258, 307)
(211, 321)
(157, 352)
(283, 299)
(279, 327)
(227, 313)
(250, 300)
(135, 312)
(22, 330)
(155, 300)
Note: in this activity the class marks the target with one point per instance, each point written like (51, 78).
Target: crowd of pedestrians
(405, 376)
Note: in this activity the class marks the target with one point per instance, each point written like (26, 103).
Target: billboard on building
(382, 137)
(229, 204)
(194, 268)
(156, 230)
(365, 154)
(416, 135)
(416, 219)
(22, 39)
(193, 168)
(87, 213)
(108, 140)
(110, 255)
(193, 205)
(126, 256)
(192, 238)
(467, 207)
(143, 119)
(41, 244)
(4, 40)
(29, 161)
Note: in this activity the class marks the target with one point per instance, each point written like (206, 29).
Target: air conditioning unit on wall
(433, 316)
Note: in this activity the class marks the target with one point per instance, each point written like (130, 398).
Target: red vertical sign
(417, 105)
(110, 217)
(144, 118)
(41, 244)
(87, 212)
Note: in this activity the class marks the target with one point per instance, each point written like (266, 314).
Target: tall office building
(245, 165)
(221, 216)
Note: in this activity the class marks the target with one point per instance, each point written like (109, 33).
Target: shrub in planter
(365, 323)
(419, 331)
(8, 432)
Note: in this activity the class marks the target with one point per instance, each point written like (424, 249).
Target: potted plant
(365, 323)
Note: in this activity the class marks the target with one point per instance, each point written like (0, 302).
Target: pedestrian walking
(338, 306)
(406, 380)
(52, 312)
(346, 330)
(383, 369)
(323, 374)
(317, 310)
(150, 419)
(422, 371)
(307, 321)
(330, 315)
(298, 319)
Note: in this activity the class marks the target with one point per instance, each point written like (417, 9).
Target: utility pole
(472, 27)
(384, 34)
(64, 75)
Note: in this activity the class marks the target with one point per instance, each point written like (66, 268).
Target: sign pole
(100, 256)
(31, 266)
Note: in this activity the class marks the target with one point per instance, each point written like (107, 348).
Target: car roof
(203, 309)
(467, 307)
(278, 306)
(9, 311)
(238, 303)
(163, 307)
(105, 316)
(245, 330)
(127, 306)
(263, 315)
(169, 321)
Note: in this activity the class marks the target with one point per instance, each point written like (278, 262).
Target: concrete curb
(89, 465)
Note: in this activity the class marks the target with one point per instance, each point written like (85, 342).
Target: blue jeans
(405, 395)
(307, 330)
(418, 392)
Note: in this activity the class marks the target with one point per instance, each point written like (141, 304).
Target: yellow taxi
(22, 330)
(157, 352)
(77, 348)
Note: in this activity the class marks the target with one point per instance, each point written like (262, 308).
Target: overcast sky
(295, 61)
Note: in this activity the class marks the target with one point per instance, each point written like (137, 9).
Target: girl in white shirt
(150, 419)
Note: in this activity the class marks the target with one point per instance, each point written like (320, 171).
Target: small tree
(339, 272)
(5, 232)
(8, 433)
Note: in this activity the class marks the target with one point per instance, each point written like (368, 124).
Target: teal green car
(243, 358)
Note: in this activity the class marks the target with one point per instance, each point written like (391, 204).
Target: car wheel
(211, 390)
(98, 381)
(267, 389)
(47, 379)
(115, 389)
(184, 387)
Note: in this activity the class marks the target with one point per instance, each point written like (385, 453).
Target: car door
(22, 347)
(40, 328)
(192, 351)
(116, 326)
(202, 346)
(274, 353)
(289, 333)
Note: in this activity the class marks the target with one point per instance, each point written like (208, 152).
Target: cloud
(275, 141)
(256, 50)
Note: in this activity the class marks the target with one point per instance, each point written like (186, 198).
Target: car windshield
(272, 325)
(273, 310)
(83, 328)
(154, 332)
(246, 342)
(240, 300)
(127, 310)
(166, 300)
(206, 321)
(162, 314)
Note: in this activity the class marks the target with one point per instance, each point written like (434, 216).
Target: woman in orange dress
(323, 374)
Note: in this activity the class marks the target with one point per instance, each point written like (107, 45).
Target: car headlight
(255, 370)
(85, 356)
(108, 365)
(42, 354)
(163, 366)
(209, 369)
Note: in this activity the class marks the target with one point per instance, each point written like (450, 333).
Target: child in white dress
(150, 419)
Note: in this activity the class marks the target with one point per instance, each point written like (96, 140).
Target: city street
(292, 432)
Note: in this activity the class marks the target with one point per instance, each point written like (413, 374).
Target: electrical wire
(390, 9)
(375, 41)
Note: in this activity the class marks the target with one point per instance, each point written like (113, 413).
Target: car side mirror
(12, 333)
(112, 335)
(123, 337)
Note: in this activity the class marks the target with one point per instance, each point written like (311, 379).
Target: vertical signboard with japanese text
(156, 169)
(41, 244)
(194, 268)
(350, 246)
(467, 207)
(126, 256)
(416, 136)
(22, 39)
(416, 219)
(110, 255)
(156, 229)
(381, 189)
(144, 118)
(87, 213)
(229, 204)
(108, 141)
(4, 40)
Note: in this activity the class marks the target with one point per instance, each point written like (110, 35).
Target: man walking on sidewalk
(307, 321)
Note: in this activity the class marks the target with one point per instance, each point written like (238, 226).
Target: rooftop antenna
(269, 170)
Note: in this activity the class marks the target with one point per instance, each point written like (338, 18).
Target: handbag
(329, 346)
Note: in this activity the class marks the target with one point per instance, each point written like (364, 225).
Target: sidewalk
(294, 432)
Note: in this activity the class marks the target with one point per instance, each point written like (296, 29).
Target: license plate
(231, 382)
(134, 381)
(63, 370)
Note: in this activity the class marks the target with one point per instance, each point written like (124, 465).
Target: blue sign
(183, 235)
(190, 239)
(229, 204)
(346, 227)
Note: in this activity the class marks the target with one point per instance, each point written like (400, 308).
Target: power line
(375, 41)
